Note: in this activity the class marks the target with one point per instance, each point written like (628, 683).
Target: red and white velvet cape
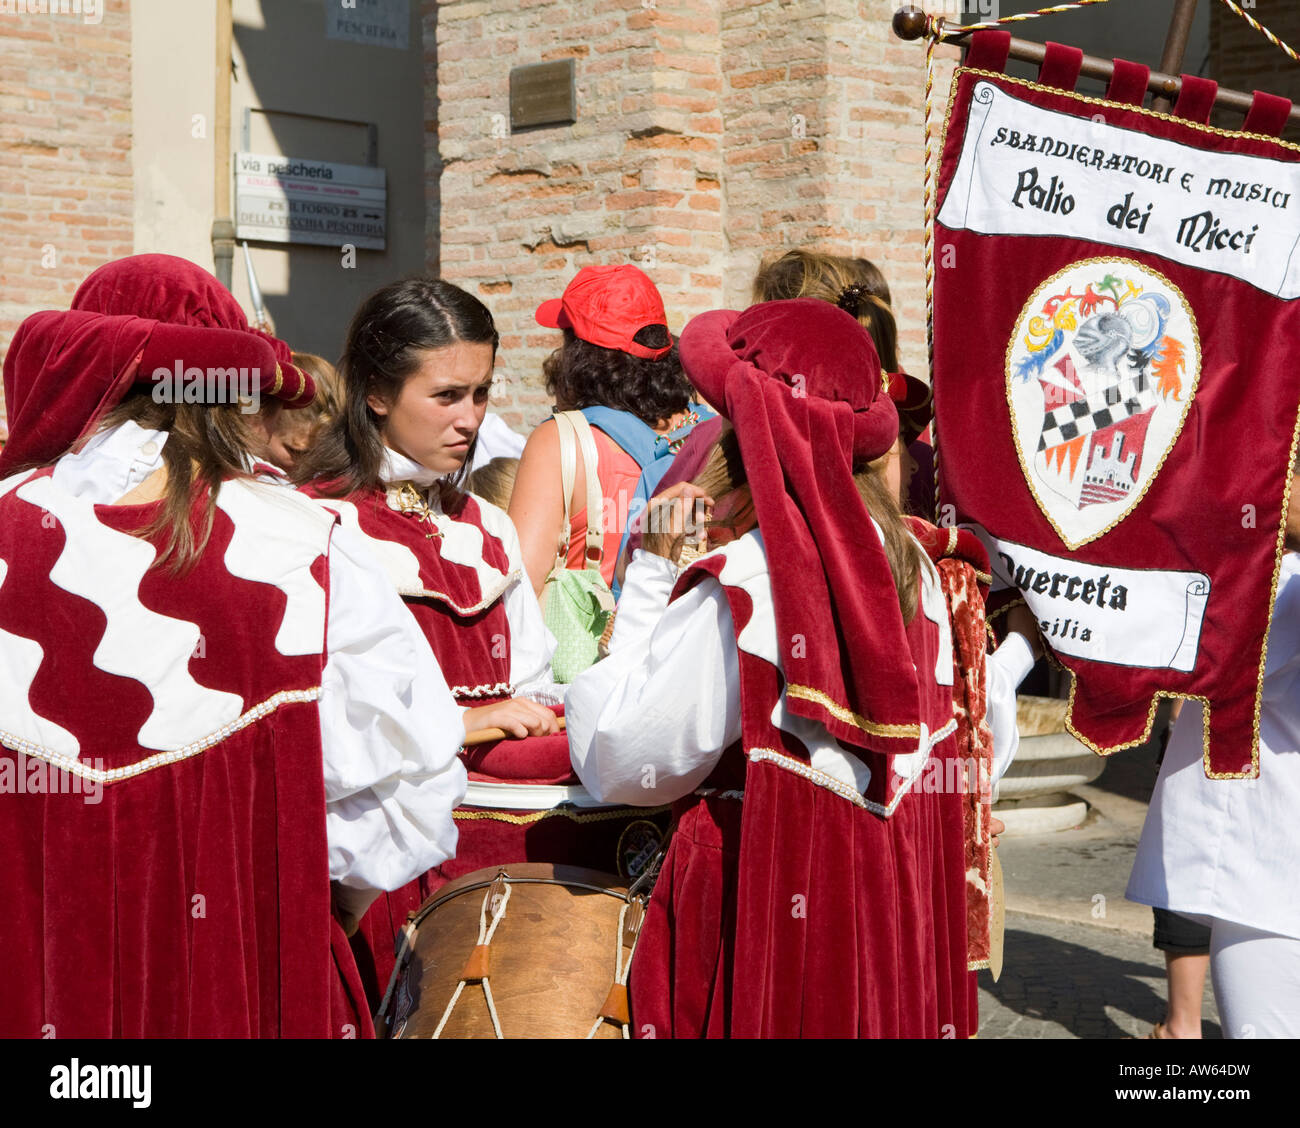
(166, 868)
(810, 890)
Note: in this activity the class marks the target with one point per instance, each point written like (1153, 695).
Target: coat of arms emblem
(1100, 373)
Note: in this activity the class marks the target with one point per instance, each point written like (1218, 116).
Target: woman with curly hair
(618, 365)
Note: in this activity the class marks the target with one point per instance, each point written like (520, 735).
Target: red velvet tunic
(809, 908)
(166, 868)
(453, 570)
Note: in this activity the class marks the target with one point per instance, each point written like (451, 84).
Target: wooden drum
(520, 951)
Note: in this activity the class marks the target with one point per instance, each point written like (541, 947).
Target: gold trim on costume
(848, 791)
(74, 766)
(848, 716)
(469, 815)
(274, 389)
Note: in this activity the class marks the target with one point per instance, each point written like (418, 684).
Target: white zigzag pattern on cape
(399, 563)
(462, 543)
(277, 537)
(14, 481)
(20, 660)
(106, 567)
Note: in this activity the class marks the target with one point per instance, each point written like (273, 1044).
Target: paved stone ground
(1062, 979)
(1078, 960)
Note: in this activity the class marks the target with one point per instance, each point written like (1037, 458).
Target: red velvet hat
(915, 403)
(802, 385)
(608, 306)
(129, 319)
(181, 296)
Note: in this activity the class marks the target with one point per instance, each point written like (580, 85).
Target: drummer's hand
(996, 827)
(518, 717)
(667, 521)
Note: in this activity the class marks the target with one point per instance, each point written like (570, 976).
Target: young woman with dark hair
(618, 365)
(417, 369)
(252, 714)
(416, 373)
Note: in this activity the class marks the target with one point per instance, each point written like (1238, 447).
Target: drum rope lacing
(485, 932)
(621, 967)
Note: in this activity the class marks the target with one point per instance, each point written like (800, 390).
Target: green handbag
(576, 602)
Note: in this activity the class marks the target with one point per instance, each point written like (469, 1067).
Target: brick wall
(1242, 59)
(823, 134)
(65, 156)
(710, 135)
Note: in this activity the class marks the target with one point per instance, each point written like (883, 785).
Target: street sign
(292, 200)
(379, 23)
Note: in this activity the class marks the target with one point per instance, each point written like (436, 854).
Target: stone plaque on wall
(542, 94)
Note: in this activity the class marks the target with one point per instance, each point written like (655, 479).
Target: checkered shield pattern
(1095, 413)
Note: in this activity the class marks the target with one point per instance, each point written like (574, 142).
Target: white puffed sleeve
(390, 732)
(1006, 668)
(649, 723)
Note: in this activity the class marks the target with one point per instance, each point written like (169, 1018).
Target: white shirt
(496, 439)
(649, 723)
(1229, 848)
(390, 729)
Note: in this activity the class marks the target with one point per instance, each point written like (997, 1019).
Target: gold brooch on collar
(413, 503)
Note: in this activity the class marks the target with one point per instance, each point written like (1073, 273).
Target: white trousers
(1256, 979)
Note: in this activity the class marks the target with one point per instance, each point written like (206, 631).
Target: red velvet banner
(1116, 347)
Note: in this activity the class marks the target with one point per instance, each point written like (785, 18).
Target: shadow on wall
(299, 75)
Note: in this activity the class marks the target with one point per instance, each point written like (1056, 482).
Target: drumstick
(487, 735)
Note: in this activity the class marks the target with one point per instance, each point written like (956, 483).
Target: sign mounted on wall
(1116, 336)
(542, 94)
(379, 23)
(292, 200)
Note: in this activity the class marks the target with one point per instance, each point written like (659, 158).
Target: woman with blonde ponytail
(815, 883)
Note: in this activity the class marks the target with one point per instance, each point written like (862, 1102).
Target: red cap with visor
(608, 306)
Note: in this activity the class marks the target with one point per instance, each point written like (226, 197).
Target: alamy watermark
(29, 775)
(90, 11)
(208, 386)
(963, 12)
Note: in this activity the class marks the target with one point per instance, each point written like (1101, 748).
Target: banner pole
(1171, 62)
(910, 23)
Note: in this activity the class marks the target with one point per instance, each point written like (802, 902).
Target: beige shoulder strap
(568, 472)
(595, 510)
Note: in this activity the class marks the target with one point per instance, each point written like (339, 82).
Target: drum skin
(552, 956)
